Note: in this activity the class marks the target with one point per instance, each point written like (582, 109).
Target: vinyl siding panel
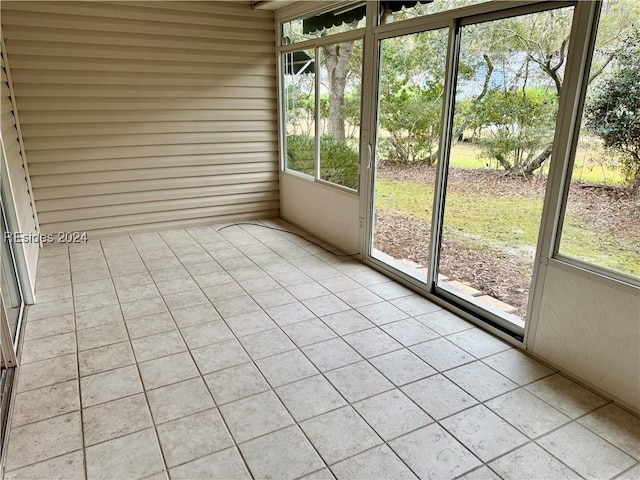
(145, 115)
(17, 176)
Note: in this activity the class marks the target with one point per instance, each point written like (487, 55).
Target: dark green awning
(299, 63)
(331, 19)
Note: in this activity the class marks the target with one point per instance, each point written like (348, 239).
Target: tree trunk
(337, 60)
(538, 161)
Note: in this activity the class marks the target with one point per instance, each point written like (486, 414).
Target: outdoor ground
(492, 222)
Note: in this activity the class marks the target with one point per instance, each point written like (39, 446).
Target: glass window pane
(340, 94)
(602, 218)
(394, 11)
(343, 19)
(505, 116)
(300, 103)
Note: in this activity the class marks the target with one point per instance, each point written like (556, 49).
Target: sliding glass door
(412, 72)
(465, 129)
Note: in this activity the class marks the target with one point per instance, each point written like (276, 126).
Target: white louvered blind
(145, 115)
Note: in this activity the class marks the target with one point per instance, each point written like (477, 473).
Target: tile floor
(247, 352)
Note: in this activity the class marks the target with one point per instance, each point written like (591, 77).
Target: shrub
(338, 161)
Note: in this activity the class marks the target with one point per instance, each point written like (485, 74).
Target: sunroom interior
(266, 239)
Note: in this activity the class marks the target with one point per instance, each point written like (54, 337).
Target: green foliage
(613, 112)
(517, 125)
(338, 161)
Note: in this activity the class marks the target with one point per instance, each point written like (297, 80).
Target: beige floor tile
(441, 354)
(219, 356)
(267, 343)
(530, 462)
(98, 317)
(92, 301)
(159, 345)
(402, 367)
(439, 396)
(177, 301)
(195, 315)
(358, 381)
(483, 432)
(254, 416)
(48, 347)
(285, 454)
(235, 306)
(110, 385)
(325, 305)
(339, 283)
(45, 402)
(236, 383)
(340, 434)
(249, 323)
(617, 426)
(631, 474)
(372, 342)
(228, 464)
(478, 343)
(409, 332)
(103, 335)
(527, 413)
(359, 297)
(286, 368)
(105, 358)
(150, 325)
(191, 437)
(54, 294)
(50, 326)
(205, 334)
(444, 322)
(176, 285)
(309, 332)
(47, 372)
(274, 298)
(309, 290)
(414, 305)
(179, 400)
(349, 321)
(43, 440)
(50, 309)
(167, 370)
(390, 290)
(68, 467)
(517, 366)
(136, 455)
(310, 397)
(482, 473)
(595, 458)
(480, 381)
(566, 395)
(115, 419)
(331, 354)
(139, 291)
(144, 307)
(432, 453)
(392, 414)
(290, 313)
(382, 313)
(379, 462)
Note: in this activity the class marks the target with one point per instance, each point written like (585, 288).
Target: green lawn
(503, 224)
(586, 168)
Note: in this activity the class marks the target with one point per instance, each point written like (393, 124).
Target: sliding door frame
(455, 20)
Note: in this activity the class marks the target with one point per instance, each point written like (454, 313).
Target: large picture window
(322, 107)
(602, 219)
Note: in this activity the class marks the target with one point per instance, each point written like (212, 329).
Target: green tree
(613, 112)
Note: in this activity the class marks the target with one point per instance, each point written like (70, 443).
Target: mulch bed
(502, 276)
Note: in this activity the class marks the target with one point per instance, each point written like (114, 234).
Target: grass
(587, 168)
(503, 224)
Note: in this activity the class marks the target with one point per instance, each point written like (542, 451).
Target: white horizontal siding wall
(20, 211)
(145, 115)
